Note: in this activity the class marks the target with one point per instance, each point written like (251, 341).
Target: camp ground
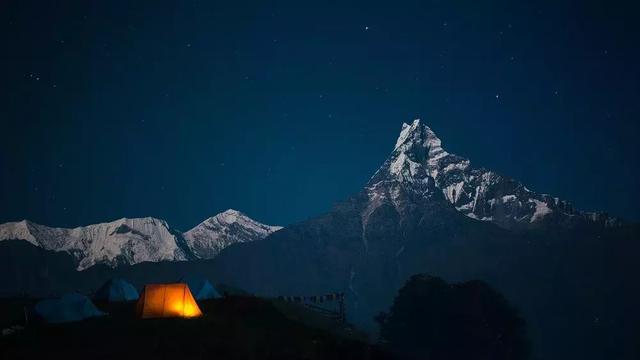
(168, 319)
(184, 299)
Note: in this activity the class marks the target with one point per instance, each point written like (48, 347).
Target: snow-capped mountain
(419, 162)
(124, 241)
(216, 233)
(131, 241)
(428, 211)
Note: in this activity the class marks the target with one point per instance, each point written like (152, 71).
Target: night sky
(279, 109)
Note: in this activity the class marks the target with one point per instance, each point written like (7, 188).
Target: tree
(431, 319)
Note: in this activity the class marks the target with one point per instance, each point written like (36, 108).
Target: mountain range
(572, 274)
(428, 211)
(132, 241)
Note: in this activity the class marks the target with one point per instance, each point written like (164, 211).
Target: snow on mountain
(124, 241)
(419, 162)
(216, 233)
(131, 241)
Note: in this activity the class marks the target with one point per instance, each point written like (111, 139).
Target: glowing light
(167, 300)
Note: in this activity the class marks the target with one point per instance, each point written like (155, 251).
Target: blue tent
(116, 290)
(201, 288)
(70, 307)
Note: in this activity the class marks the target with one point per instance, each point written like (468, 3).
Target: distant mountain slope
(131, 241)
(208, 238)
(124, 241)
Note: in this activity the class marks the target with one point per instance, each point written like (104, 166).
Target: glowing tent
(167, 300)
(116, 290)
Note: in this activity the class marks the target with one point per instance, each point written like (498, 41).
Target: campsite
(416, 180)
(171, 321)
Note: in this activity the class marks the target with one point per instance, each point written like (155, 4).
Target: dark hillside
(232, 328)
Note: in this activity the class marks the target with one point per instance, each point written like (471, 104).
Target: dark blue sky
(280, 109)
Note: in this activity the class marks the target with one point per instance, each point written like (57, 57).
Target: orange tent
(167, 300)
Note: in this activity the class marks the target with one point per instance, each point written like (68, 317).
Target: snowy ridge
(132, 241)
(124, 241)
(216, 233)
(418, 159)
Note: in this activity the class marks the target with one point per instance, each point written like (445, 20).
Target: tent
(201, 288)
(70, 307)
(167, 300)
(116, 290)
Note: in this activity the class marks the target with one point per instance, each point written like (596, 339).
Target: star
(366, 28)
(497, 96)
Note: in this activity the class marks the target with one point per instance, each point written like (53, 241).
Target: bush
(431, 319)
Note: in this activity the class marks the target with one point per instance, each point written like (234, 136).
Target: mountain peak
(418, 132)
(419, 143)
(421, 165)
(229, 216)
(417, 152)
(228, 227)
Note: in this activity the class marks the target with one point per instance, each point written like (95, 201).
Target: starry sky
(279, 109)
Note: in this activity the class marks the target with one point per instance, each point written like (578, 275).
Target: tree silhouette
(431, 319)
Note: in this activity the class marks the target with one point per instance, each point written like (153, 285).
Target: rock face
(208, 238)
(482, 194)
(132, 241)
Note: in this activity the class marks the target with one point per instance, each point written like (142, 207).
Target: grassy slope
(232, 328)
